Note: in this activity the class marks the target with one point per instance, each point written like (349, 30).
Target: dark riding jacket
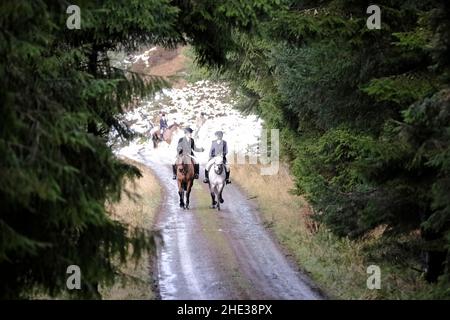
(163, 123)
(218, 149)
(187, 148)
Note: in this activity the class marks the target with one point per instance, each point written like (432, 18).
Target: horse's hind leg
(188, 193)
(220, 194)
(213, 200)
(181, 194)
(219, 198)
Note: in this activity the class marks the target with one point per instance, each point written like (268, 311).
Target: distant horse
(167, 135)
(217, 182)
(185, 179)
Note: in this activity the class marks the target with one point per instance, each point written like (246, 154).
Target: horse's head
(182, 164)
(174, 126)
(218, 165)
(181, 169)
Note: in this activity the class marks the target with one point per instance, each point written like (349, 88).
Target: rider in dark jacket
(186, 146)
(163, 124)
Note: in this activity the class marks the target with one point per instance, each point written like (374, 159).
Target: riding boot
(196, 170)
(174, 170)
(206, 180)
(227, 177)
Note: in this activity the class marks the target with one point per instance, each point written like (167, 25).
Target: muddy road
(229, 254)
(203, 253)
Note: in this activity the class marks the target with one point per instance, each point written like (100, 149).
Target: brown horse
(167, 135)
(185, 179)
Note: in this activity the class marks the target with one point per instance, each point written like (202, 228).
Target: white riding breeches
(211, 162)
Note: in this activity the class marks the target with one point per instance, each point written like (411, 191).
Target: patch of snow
(183, 106)
(144, 57)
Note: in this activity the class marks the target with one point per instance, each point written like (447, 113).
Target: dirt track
(206, 254)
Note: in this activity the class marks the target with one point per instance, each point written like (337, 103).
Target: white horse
(217, 181)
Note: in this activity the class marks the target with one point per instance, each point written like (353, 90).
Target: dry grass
(140, 210)
(337, 265)
(278, 205)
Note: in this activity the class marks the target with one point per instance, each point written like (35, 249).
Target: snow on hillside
(183, 106)
(143, 57)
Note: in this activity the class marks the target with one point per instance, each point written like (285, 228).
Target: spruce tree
(363, 114)
(61, 97)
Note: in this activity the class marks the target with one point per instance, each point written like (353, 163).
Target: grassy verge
(194, 72)
(140, 210)
(337, 265)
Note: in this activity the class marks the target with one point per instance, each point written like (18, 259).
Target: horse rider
(186, 146)
(163, 125)
(218, 147)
